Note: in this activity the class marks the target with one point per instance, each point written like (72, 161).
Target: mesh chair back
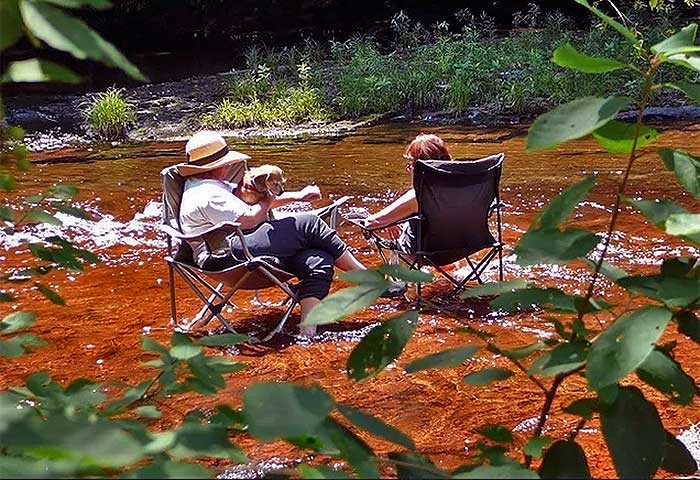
(454, 201)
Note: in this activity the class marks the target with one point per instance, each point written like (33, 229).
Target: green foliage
(108, 114)
(564, 459)
(447, 358)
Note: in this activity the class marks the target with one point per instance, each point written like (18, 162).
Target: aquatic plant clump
(109, 114)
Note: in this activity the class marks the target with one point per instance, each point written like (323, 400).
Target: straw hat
(208, 151)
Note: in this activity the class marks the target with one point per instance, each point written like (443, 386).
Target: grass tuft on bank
(424, 70)
(108, 115)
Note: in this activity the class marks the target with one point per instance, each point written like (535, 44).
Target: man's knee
(315, 264)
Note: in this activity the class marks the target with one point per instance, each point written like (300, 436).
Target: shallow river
(97, 334)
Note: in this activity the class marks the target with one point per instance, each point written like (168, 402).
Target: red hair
(427, 147)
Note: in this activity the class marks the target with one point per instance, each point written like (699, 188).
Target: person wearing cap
(304, 244)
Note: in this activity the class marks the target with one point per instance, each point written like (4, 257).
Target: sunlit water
(126, 295)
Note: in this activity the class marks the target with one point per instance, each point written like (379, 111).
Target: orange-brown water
(97, 335)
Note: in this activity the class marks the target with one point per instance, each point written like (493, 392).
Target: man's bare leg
(306, 305)
(347, 262)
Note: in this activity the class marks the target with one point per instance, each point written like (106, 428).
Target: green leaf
(375, 426)
(70, 34)
(131, 396)
(573, 120)
(567, 56)
(658, 212)
(406, 274)
(535, 445)
(350, 447)
(624, 345)
(96, 4)
(148, 411)
(453, 357)
(497, 433)
(37, 70)
(634, 434)
(621, 29)
(564, 459)
(364, 277)
(93, 444)
(667, 376)
(281, 410)
(185, 352)
(321, 471)
(563, 205)
(7, 182)
(10, 23)
(690, 60)
(562, 359)
(524, 352)
(548, 298)
(6, 297)
(685, 167)
(54, 297)
(169, 469)
(683, 224)
(412, 466)
(584, 407)
(150, 345)
(62, 191)
(344, 302)
(73, 211)
(17, 321)
(194, 440)
(554, 246)
(673, 291)
(486, 376)
(228, 417)
(203, 372)
(40, 216)
(692, 90)
(18, 345)
(618, 137)
(494, 288)
(511, 470)
(381, 346)
(682, 39)
(223, 340)
(6, 213)
(688, 325)
(677, 458)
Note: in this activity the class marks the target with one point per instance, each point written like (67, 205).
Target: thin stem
(546, 407)
(623, 185)
(581, 423)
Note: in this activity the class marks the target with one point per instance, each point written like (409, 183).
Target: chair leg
(171, 281)
(281, 324)
(205, 309)
(500, 263)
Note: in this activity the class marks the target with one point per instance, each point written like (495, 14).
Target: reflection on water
(127, 295)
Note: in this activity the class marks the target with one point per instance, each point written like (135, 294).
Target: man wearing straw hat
(305, 245)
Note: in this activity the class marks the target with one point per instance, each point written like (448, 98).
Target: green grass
(108, 114)
(511, 74)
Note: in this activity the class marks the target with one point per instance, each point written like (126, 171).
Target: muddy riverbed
(97, 335)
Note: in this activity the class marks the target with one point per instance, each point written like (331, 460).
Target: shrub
(109, 114)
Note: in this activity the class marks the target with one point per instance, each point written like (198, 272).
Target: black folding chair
(216, 288)
(456, 199)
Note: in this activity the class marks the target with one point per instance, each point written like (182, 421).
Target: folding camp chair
(455, 202)
(216, 288)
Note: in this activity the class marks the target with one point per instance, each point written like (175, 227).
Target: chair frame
(422, 258)
(252, 273)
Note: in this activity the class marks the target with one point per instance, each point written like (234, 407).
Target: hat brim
(187, 169)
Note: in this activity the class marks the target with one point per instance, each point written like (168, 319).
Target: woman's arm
(402, 207)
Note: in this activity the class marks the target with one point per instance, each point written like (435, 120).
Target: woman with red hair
(423, 147)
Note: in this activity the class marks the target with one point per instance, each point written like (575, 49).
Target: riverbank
(172, 111)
